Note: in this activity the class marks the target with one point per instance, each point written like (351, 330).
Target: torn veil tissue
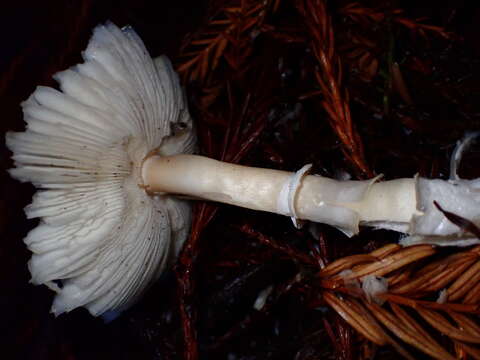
(373, 286)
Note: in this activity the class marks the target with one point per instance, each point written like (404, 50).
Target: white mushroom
(108, 152)
(100, 233)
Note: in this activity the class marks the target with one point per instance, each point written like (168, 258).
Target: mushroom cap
(102, 240)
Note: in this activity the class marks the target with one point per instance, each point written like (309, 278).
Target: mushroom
(111, 150)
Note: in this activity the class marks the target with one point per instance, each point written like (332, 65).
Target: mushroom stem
(343, 204)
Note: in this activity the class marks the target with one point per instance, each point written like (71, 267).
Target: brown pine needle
(399, 329)
(473, 296)
(400, 85)
(473, 352)
(444, 326)
(436, 279)
(466, 323)
(399, 277)
(356, 318)
(392, 262)
(464, 283)
(414, 327)
(282, 248)
(371, 319)
(464, 224)
(415, 303)
(385, 250)
(345, 263)
(447, 261)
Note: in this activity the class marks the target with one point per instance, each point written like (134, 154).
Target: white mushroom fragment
(108, 153)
